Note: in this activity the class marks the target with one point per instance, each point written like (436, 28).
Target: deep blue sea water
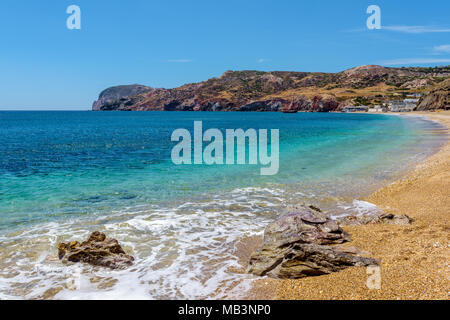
(63, 174)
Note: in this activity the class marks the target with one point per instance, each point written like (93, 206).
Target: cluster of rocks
(302, 242)
(98, 250)
(305, 242)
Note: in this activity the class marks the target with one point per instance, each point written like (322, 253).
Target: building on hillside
(378, 109)
(406, 105)
(356, 109)
(411, 101)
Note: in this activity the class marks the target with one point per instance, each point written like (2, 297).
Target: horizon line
(24, 108)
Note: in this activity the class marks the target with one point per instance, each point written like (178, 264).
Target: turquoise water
(63, 174)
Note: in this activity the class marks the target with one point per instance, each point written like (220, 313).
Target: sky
(167, 43)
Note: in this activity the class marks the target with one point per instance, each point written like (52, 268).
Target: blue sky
(168, 43)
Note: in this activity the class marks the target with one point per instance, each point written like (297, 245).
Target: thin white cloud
(262, 60)
(445, 48)
(409, 61)
(416, 29)
(180, 60)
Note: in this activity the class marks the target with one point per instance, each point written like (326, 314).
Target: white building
(378, 108)
(406, 105)
(356, 109)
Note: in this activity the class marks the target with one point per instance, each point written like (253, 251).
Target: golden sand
(414, 259)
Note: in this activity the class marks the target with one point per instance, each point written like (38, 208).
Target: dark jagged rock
(298, 260)
(388, 218)
(97, 250)
(314, 208)
(304, 225)
(299, 244)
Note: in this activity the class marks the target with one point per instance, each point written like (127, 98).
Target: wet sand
(414, 259)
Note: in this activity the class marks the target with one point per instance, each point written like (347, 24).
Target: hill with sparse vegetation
(282, 90)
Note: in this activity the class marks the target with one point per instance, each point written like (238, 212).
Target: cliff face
(438, 98)
(275, 91)
(112, 95)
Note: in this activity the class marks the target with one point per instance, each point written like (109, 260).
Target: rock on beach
(98, 250)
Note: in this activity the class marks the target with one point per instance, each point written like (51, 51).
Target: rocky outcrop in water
(301, 243)
(98, 250)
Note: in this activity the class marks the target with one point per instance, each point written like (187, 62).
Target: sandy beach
(414, 258)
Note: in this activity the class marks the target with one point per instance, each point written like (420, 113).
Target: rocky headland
(286, 91)
(437, 98)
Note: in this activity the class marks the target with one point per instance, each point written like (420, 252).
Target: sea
(64, 174)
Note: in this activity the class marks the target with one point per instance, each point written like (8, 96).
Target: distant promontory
(370, 85)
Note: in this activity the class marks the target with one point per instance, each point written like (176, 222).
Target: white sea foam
(358, 208)
(186, 251)
(183, 252)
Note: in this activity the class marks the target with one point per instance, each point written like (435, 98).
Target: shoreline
(244, 247)
(414, 258)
